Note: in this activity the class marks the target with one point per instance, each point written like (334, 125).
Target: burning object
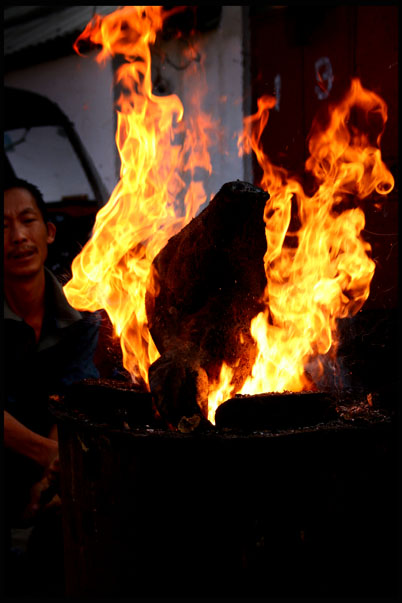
(210, 282)
(315, 267)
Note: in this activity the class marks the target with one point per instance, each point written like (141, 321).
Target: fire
(160, 150)
(317, 264)
(220, 391)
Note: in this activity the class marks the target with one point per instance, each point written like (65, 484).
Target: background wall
(84, 91)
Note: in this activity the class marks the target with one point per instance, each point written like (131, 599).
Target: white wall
(223, 101)
(224, 67)
(83, 90)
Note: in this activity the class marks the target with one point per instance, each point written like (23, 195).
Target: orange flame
(317, 264)
(114, 269)
(220, 392)
(319, 271)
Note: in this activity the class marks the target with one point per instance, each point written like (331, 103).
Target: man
(48, 345)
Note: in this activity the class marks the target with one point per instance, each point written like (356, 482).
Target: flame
(317, 264)
(157, 194)
(220, 392)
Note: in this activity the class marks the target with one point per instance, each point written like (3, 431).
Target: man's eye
(28, 220)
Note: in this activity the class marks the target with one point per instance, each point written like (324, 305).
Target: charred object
(210, 281)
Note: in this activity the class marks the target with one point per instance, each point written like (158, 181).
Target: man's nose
(18, 233)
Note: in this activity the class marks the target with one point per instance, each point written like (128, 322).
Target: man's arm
(20, 439)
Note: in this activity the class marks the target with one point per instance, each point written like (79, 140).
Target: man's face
(26, 236)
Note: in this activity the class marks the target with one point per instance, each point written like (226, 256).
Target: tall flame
(317, 263)
(151, 202)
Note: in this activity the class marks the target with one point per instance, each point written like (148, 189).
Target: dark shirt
(63, 355)
(34, 370)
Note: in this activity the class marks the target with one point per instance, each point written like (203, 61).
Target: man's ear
(51, 232)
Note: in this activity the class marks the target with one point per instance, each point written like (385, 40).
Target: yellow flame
(114, 269)
(321, 271)
(317, 264)
(220, 391)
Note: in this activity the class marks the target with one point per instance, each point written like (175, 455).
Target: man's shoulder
(61, 309)
(8, 314)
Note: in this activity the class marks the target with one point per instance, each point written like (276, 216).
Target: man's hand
(45, 452)
(43, 498)
(19, 438)
(45, 493)
(53, 470)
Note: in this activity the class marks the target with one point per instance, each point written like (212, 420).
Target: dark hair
(31, 188)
